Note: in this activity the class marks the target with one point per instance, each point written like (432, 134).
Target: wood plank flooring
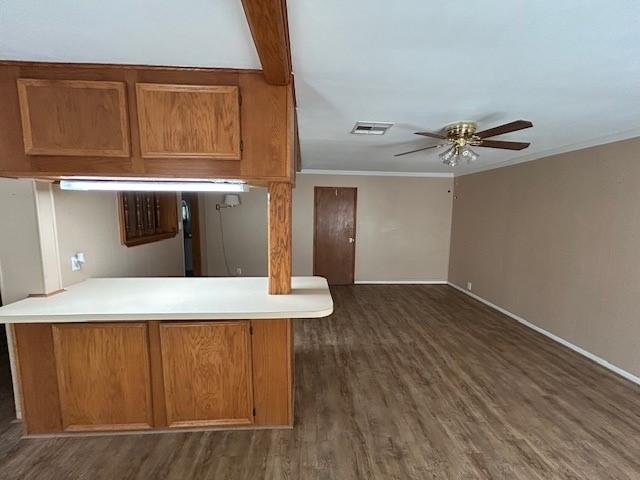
(401, 382)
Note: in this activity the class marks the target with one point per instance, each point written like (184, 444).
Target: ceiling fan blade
(418, 150)
(503, 145)
(506, 128)
(431, 134)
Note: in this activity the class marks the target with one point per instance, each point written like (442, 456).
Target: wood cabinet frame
(23, 85)
(170, 393)
(145, 118)
(267, 117)
(270, 362)
(68, 403)
(166, 218)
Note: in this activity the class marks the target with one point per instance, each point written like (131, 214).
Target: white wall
(403, 228)
(88, 223)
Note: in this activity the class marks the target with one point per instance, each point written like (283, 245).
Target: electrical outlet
(469, 286)
(238, 271)
(77, 261)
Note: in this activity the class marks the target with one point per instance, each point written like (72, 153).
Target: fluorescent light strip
(151, 186)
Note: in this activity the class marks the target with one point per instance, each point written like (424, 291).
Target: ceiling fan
(461, 136)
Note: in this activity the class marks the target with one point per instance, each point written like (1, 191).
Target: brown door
(334, 234)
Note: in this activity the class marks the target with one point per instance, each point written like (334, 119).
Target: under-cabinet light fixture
(154, 186)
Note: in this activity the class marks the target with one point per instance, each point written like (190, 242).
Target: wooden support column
(269, 28)
(279, 238)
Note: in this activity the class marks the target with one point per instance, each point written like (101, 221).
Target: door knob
(351, 239)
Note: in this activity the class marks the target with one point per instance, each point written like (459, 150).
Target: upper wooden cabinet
(117, 120)
(74, 117)
(189, 121)
(147, 217)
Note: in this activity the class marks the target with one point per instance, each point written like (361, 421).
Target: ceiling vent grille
(371, 128)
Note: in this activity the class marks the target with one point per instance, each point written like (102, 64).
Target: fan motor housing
(461, 130)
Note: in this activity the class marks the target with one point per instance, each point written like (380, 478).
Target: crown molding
(376, 173)
(574, 147)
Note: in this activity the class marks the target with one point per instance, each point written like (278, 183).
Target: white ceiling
(151, 32)
(572, 67)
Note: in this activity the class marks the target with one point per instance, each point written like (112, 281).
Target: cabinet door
(103, 376)
(188, 121)
(207, 373)
(73, 117)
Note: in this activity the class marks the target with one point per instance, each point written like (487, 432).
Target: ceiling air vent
(371, 128)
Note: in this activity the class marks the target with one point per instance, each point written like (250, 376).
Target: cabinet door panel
(74, 117)
(207, 373)
(189, 121)
(103, 376)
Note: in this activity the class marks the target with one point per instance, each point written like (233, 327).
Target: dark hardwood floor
(401, 382)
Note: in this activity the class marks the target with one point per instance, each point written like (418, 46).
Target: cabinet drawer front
(103, 376)
(189, 121)
(74, 117)
(207, 373)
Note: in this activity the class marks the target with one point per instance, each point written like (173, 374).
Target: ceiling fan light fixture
(451, 156)
(469, 154)
(461, 135)
(448, 155)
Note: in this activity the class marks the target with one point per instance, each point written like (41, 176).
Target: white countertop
(202, 298)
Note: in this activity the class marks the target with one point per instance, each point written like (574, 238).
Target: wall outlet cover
(469, 286)
(76, 265)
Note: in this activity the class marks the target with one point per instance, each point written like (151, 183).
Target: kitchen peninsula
(116, 354)
(154, 353)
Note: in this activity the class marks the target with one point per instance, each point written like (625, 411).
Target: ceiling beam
(269, 28)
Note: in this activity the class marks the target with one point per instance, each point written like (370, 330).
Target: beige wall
(245, 231)
(85, 222)
(88, 223)
(557, 242)
(403, 228)
(20, 259)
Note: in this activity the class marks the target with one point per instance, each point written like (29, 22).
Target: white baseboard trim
(562, 341)
(401, 282)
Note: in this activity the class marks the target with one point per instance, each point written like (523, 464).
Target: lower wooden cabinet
(207, 373)
(103, 376)
(155, 375)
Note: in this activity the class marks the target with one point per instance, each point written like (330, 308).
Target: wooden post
(279, 238)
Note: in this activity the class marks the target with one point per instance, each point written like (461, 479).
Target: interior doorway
(190, 212)
(334, 234)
